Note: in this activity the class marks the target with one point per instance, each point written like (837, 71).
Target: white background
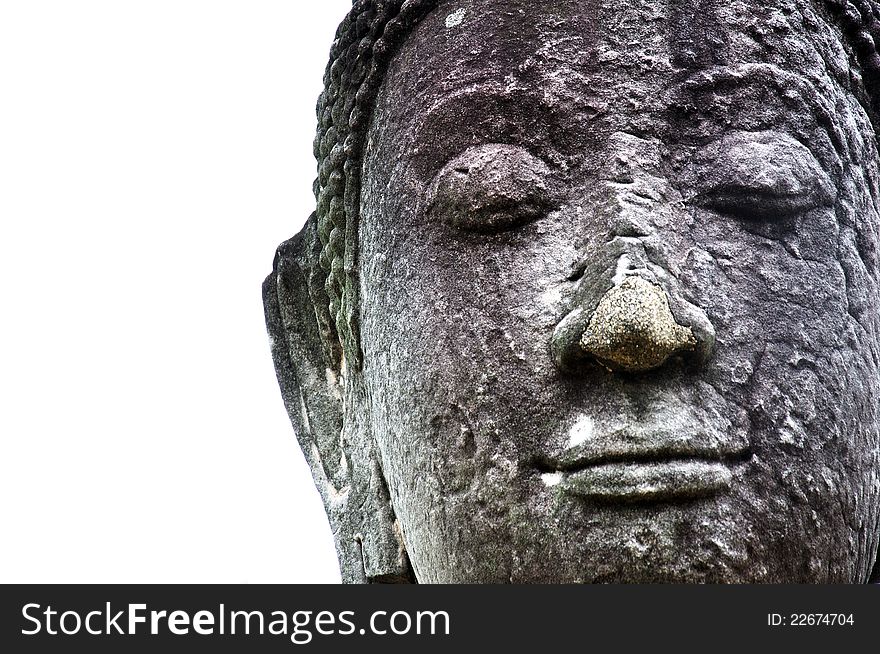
(152, 155)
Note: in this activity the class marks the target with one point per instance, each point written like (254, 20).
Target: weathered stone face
(526, 160)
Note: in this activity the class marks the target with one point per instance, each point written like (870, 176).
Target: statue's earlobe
(338, 448)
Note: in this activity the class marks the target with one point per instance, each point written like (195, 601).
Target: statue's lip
(628, 473)
(587, 456)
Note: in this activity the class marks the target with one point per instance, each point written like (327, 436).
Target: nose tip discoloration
(633, 329)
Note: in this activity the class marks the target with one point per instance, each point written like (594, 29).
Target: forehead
(561, 75)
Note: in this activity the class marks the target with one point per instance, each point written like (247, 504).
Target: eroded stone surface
(633, 329)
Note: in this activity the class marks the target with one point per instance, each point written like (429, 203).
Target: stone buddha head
(591, 292)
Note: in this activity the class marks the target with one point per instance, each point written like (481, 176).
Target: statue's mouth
(643, 474)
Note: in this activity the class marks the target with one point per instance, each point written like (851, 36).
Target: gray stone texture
(591, 292)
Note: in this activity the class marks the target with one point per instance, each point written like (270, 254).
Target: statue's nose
(633, 329)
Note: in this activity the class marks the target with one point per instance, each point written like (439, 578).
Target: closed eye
(758, 203)
(490, 188)
(762, 176)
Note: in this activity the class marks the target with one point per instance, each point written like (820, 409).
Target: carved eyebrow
(790, 91)
(478, 114)
(465, 95)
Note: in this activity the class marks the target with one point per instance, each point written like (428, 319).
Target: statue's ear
(339, 450)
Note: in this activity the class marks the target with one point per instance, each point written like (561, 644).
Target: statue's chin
(653, 521)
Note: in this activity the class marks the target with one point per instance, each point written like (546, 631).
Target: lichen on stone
(633, 328)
